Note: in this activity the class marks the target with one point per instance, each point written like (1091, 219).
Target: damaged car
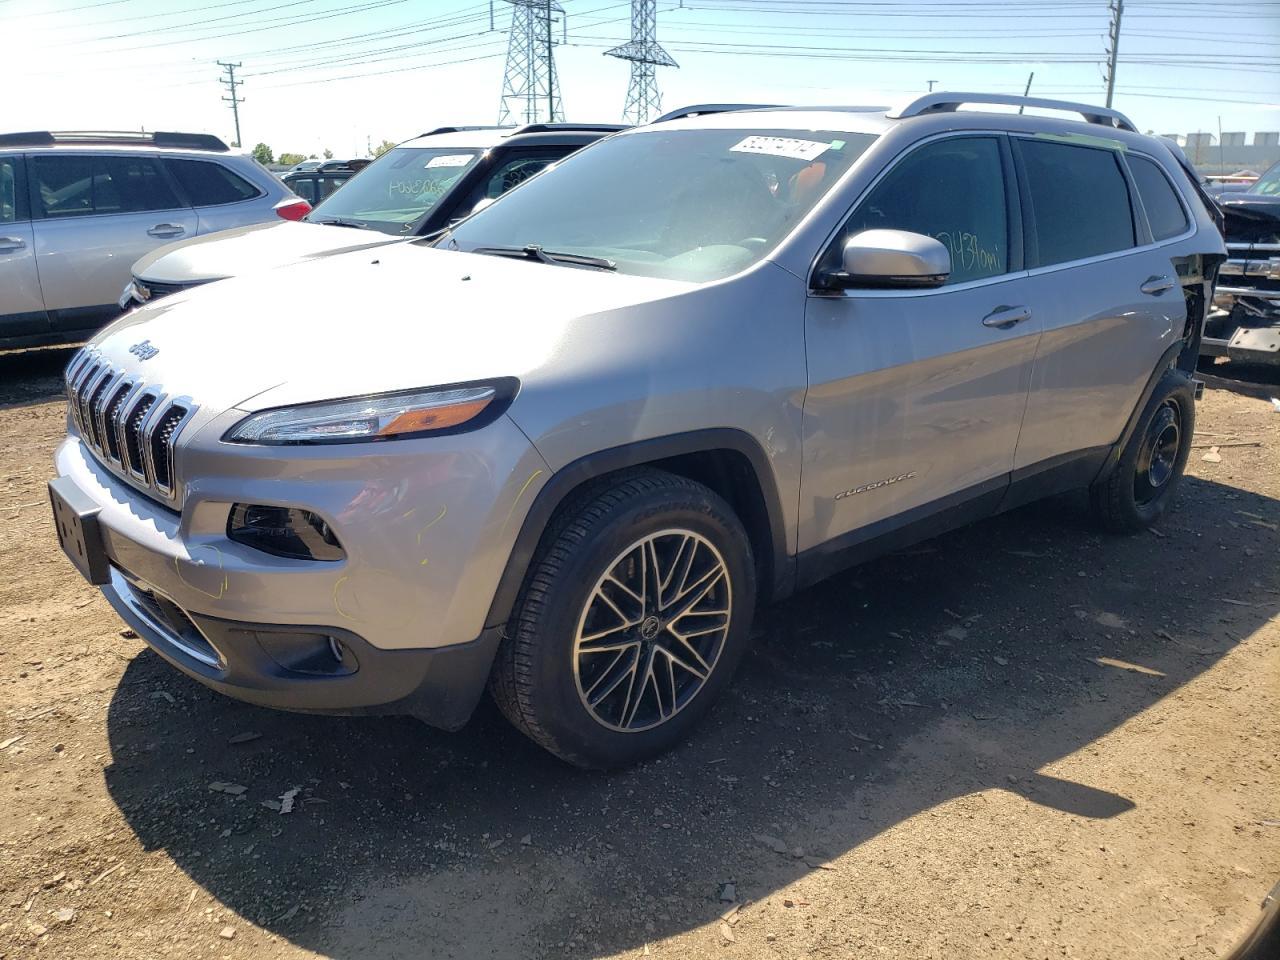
(1244, 324)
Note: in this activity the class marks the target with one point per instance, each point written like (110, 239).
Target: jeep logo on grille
(144, 350)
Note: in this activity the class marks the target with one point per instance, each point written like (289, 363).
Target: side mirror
(481, 204)
(891, 258)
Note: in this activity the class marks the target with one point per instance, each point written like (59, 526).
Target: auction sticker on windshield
(451, 160)
(782, 147)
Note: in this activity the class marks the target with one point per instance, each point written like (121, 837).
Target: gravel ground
(1024, 739)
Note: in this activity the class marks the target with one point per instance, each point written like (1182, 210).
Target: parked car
(316, 183)
(77, 209)
(699, 365)
(413, 190)
(1244, 324)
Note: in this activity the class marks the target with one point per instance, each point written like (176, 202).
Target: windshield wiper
(534, 251)
(340, 222)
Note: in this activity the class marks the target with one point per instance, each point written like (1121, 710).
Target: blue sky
(337, 73)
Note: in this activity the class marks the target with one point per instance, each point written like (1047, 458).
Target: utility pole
(235, 101)
(646, 55)
(1113, 46)
(529, 81)
(931, 83)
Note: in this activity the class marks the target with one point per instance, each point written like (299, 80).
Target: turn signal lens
(385, 417)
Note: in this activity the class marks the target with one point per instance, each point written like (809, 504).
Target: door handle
(1154, 286)
(1002, 318)
(10, 244)
(167, 230)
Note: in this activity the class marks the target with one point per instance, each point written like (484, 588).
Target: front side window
(209, 184)
(1269, 183)
(1079, 201)
(398, 189)
(511, 174)
(952, 190)
(692, 205)
(71, 185)
(1164, 212)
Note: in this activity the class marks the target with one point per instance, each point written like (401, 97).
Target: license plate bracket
(75, 518)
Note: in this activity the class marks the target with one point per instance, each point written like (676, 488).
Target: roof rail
(950, 102)
(568, 127)
(701, 109)
(432, 133)
(160, 138)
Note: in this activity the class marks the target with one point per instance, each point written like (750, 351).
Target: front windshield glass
(1269, 183)
(397, 189)
(692, 205)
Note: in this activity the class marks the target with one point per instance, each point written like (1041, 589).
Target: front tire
(634, 615)
(1140, 488)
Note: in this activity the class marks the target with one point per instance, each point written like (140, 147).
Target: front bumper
(307, 668)
(397, 626)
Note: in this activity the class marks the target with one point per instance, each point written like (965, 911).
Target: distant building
(1233, 153)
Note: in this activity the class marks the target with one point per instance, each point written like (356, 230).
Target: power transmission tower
(230, 81)
(530, 87)
(1113, 45)
(646, 55)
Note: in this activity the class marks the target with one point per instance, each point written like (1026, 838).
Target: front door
(916, 397)
(22, 313)
(95, 215)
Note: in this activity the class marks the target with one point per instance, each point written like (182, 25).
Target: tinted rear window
(77, 185)
(208, 184)
(1164, 212)
(1079, 201)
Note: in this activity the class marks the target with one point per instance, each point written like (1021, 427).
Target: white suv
(77, 209)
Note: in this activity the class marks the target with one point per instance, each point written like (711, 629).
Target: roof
(159, 140)
(485, 138)
(962, 108)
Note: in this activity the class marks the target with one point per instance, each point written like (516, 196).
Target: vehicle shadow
(29, 377)
(1257, 380)
(963, 665)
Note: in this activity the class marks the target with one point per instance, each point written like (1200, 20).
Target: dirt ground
(1024, 739)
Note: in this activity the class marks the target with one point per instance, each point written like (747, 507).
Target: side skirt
(1068, 472)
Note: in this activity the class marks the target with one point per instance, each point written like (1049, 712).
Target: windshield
(397, 189)
(692, 205)
(1269, 183)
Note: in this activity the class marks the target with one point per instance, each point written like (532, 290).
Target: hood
(261, 246)
(1251, 217)
(400, 317)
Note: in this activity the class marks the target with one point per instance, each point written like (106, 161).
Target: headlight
(388, 416)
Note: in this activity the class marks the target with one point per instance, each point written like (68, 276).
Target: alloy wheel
(1158, 457)
(652, 630)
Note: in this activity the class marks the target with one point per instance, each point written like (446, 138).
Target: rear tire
(633, 616)
(1140, 488)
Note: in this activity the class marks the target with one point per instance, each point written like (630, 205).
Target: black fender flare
(585, 469)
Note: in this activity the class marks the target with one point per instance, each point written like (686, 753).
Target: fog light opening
(335, 648)
(283, 532)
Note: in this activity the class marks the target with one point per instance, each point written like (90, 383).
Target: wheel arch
(729, 461)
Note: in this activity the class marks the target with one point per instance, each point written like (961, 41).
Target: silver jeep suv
(565, 449)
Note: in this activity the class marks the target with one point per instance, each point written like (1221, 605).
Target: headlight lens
(385, 417)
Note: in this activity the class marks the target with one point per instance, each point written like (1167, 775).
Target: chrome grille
(130, 426)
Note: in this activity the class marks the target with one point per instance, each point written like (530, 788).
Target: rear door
(1107, 293)
(916, 396)
(95, 214)
(22, 313)
(221, 198)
